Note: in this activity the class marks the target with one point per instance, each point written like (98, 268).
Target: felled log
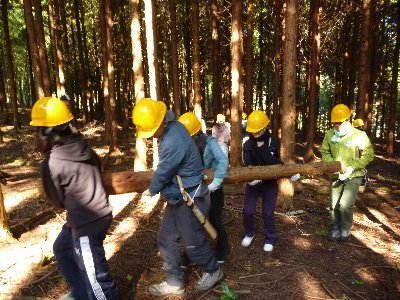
(130, 181)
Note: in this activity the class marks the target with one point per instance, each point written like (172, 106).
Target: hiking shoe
(247, 241)
(220, 261)
(67, 297)
(208, 280)
(334, 235)
(345, 236)
(163, 289)
(268, 247)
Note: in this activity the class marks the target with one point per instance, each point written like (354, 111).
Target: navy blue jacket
(178, 155)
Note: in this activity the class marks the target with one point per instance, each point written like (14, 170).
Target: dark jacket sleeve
(53, 193)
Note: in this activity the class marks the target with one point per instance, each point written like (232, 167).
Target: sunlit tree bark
(176, 91)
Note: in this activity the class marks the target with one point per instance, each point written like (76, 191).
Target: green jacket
(354, 149)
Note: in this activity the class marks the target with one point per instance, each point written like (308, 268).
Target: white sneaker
(163, 289)
(247, 241)
(208, 280)
(268, 247)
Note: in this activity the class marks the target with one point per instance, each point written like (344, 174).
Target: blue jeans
(83, 263)
(269, 193)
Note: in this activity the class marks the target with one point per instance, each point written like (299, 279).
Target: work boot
(268, 247)
(334, 235)
(67, 297)
(345, 236)
(208, 280)
(164, 289)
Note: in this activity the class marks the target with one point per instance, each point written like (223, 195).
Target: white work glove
(213, 187)
(254, 182)
(295, 177)
(346, 175)
(147, 193)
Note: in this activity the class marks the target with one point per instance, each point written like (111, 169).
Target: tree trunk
(140, 145)
(277, 66)
(60, 10)
(176, 91)
(288, 108)
(394, 91)
(41, 43)
(152, 59)
(313, 80)
(215, 56)
(82, 66)
(365, 66)
(4, 226)
(248, 93)
(10, 63)
(30, 27)
(188, 58)
(237, 93)
(196, 60)
(129, 181)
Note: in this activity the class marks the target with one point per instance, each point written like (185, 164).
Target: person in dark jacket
(260, 149)
(72, 180)
(178, 155)
(213, 158)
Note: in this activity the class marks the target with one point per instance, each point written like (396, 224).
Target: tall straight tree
(108, 75)
(365, 65)
(237, 93)
(10, 64)
(152, 61)
(82, 65)
(313, 81)
(288, 107)
(41, 44)
(176, 91)
(196, 59)
(140, 163)
(30, 27)
(394, 90)
(215, 55)
(248, 87)
(277, 66)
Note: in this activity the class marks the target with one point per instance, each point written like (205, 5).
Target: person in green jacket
(354, 149)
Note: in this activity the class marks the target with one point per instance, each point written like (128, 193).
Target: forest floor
(303, 265)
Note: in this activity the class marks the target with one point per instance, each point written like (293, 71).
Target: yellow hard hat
(244, 115)
(50, 112)
(148, 115)
(191, 122)
(358, 123)
(340, 113)
(257, 121)
(220, 118)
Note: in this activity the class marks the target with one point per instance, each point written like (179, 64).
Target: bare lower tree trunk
(365, 65)
(176, 91)
(10, 63)
(215, 55)
(288, 108)
(277, 67)
(394, 91)
(30, 27)
(197, 101)
(237, 79)
(140, 145)
(248, 92)
(313, 80)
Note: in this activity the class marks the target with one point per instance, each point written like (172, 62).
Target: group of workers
(71, 175)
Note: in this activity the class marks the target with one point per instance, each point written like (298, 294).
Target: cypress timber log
(130, 181)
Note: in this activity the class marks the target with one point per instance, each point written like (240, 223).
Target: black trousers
(215, 217)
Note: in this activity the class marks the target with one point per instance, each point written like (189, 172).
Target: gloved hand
(346, 175)
(254, 182)
(147, 193)
(295, 177)
(213, 187)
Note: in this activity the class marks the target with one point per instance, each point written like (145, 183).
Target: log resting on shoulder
(130, 181)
